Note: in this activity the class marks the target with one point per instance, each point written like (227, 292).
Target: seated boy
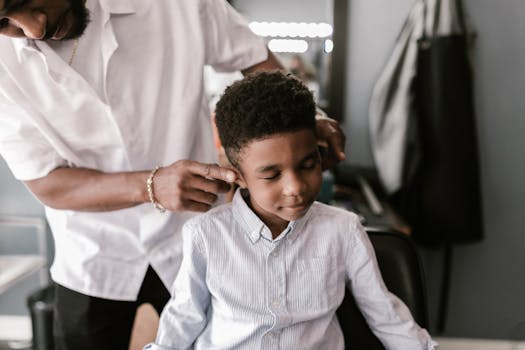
(269, 270)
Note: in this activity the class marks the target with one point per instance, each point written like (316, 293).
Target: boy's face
(283, 175)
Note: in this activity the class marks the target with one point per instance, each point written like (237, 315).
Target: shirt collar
(20, 44)
(255, 228)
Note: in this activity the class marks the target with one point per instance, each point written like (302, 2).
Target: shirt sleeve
(388, 317)
(230, 45)
(25, 149)
(184, 317)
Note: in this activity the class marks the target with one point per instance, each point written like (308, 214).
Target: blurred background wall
(488, 285)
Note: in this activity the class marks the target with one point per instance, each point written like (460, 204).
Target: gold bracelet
(149, 187)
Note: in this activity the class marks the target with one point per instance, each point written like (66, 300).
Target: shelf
(13, 268)
(16, 267)
(21, 221)
(14, 329)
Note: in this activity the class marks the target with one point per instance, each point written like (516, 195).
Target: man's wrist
(151, 192)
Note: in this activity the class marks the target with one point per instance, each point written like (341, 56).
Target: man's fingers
(337, 140)
(214, 171)
(331, 136)
(202, 197)
(196, 206)
(209, 185)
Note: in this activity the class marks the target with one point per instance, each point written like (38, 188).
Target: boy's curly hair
(262, 104)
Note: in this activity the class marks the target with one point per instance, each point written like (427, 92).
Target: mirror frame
(337, 84)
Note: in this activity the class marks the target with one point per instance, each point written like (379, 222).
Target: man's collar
(21, 44)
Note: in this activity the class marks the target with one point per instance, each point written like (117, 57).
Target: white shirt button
(272, 334)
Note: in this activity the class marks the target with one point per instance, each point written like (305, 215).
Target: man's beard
(81, 19)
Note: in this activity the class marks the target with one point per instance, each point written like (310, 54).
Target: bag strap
(437, 15)
(425, 36)
(437, 12)
(461, 17)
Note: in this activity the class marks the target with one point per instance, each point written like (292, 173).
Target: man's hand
(190, 185)
(330, 137)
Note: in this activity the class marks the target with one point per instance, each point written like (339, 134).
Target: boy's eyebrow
(267, 168)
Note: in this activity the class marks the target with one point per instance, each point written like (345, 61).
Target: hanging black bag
(441, 193)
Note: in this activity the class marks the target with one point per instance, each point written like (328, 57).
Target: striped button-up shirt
(238, 288)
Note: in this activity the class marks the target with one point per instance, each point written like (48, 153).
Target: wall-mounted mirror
(301, 34)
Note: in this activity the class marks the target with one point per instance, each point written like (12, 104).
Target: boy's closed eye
(307, 164)
(270, 175)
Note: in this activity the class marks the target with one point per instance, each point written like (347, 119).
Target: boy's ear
(240, 179)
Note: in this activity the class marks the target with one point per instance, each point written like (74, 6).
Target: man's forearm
(90, 190)
(183, 185)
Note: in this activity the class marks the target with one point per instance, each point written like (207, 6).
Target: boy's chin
(294, 213)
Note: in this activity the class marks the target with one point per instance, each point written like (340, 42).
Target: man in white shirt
(269, 270)
(86, 122)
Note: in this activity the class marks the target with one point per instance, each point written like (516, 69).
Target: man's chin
(77, 31)
(81, 20)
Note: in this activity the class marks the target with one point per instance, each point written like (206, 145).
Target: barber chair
(403, 275)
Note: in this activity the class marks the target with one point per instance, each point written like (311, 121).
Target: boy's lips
(297, 208)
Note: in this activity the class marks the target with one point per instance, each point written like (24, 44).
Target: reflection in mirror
(304, 50)
(299, 32)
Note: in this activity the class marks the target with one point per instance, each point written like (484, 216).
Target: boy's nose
(294, 186)
(32, 23)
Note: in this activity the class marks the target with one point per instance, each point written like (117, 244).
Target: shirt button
(272, 334)
(275, 253)
(276, 303)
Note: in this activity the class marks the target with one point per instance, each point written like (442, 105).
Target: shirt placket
(276, 294)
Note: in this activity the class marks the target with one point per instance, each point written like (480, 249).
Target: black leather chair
(403, 275)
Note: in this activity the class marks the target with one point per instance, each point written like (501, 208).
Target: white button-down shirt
(137, 102)
(238, 288)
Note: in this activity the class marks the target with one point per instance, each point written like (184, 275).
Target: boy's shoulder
(335, 227)
(219, 213)
(332, 220)
(323, 212)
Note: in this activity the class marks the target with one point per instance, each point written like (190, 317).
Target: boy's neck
(276, 230)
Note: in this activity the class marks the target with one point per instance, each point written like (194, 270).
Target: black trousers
(82, 322)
